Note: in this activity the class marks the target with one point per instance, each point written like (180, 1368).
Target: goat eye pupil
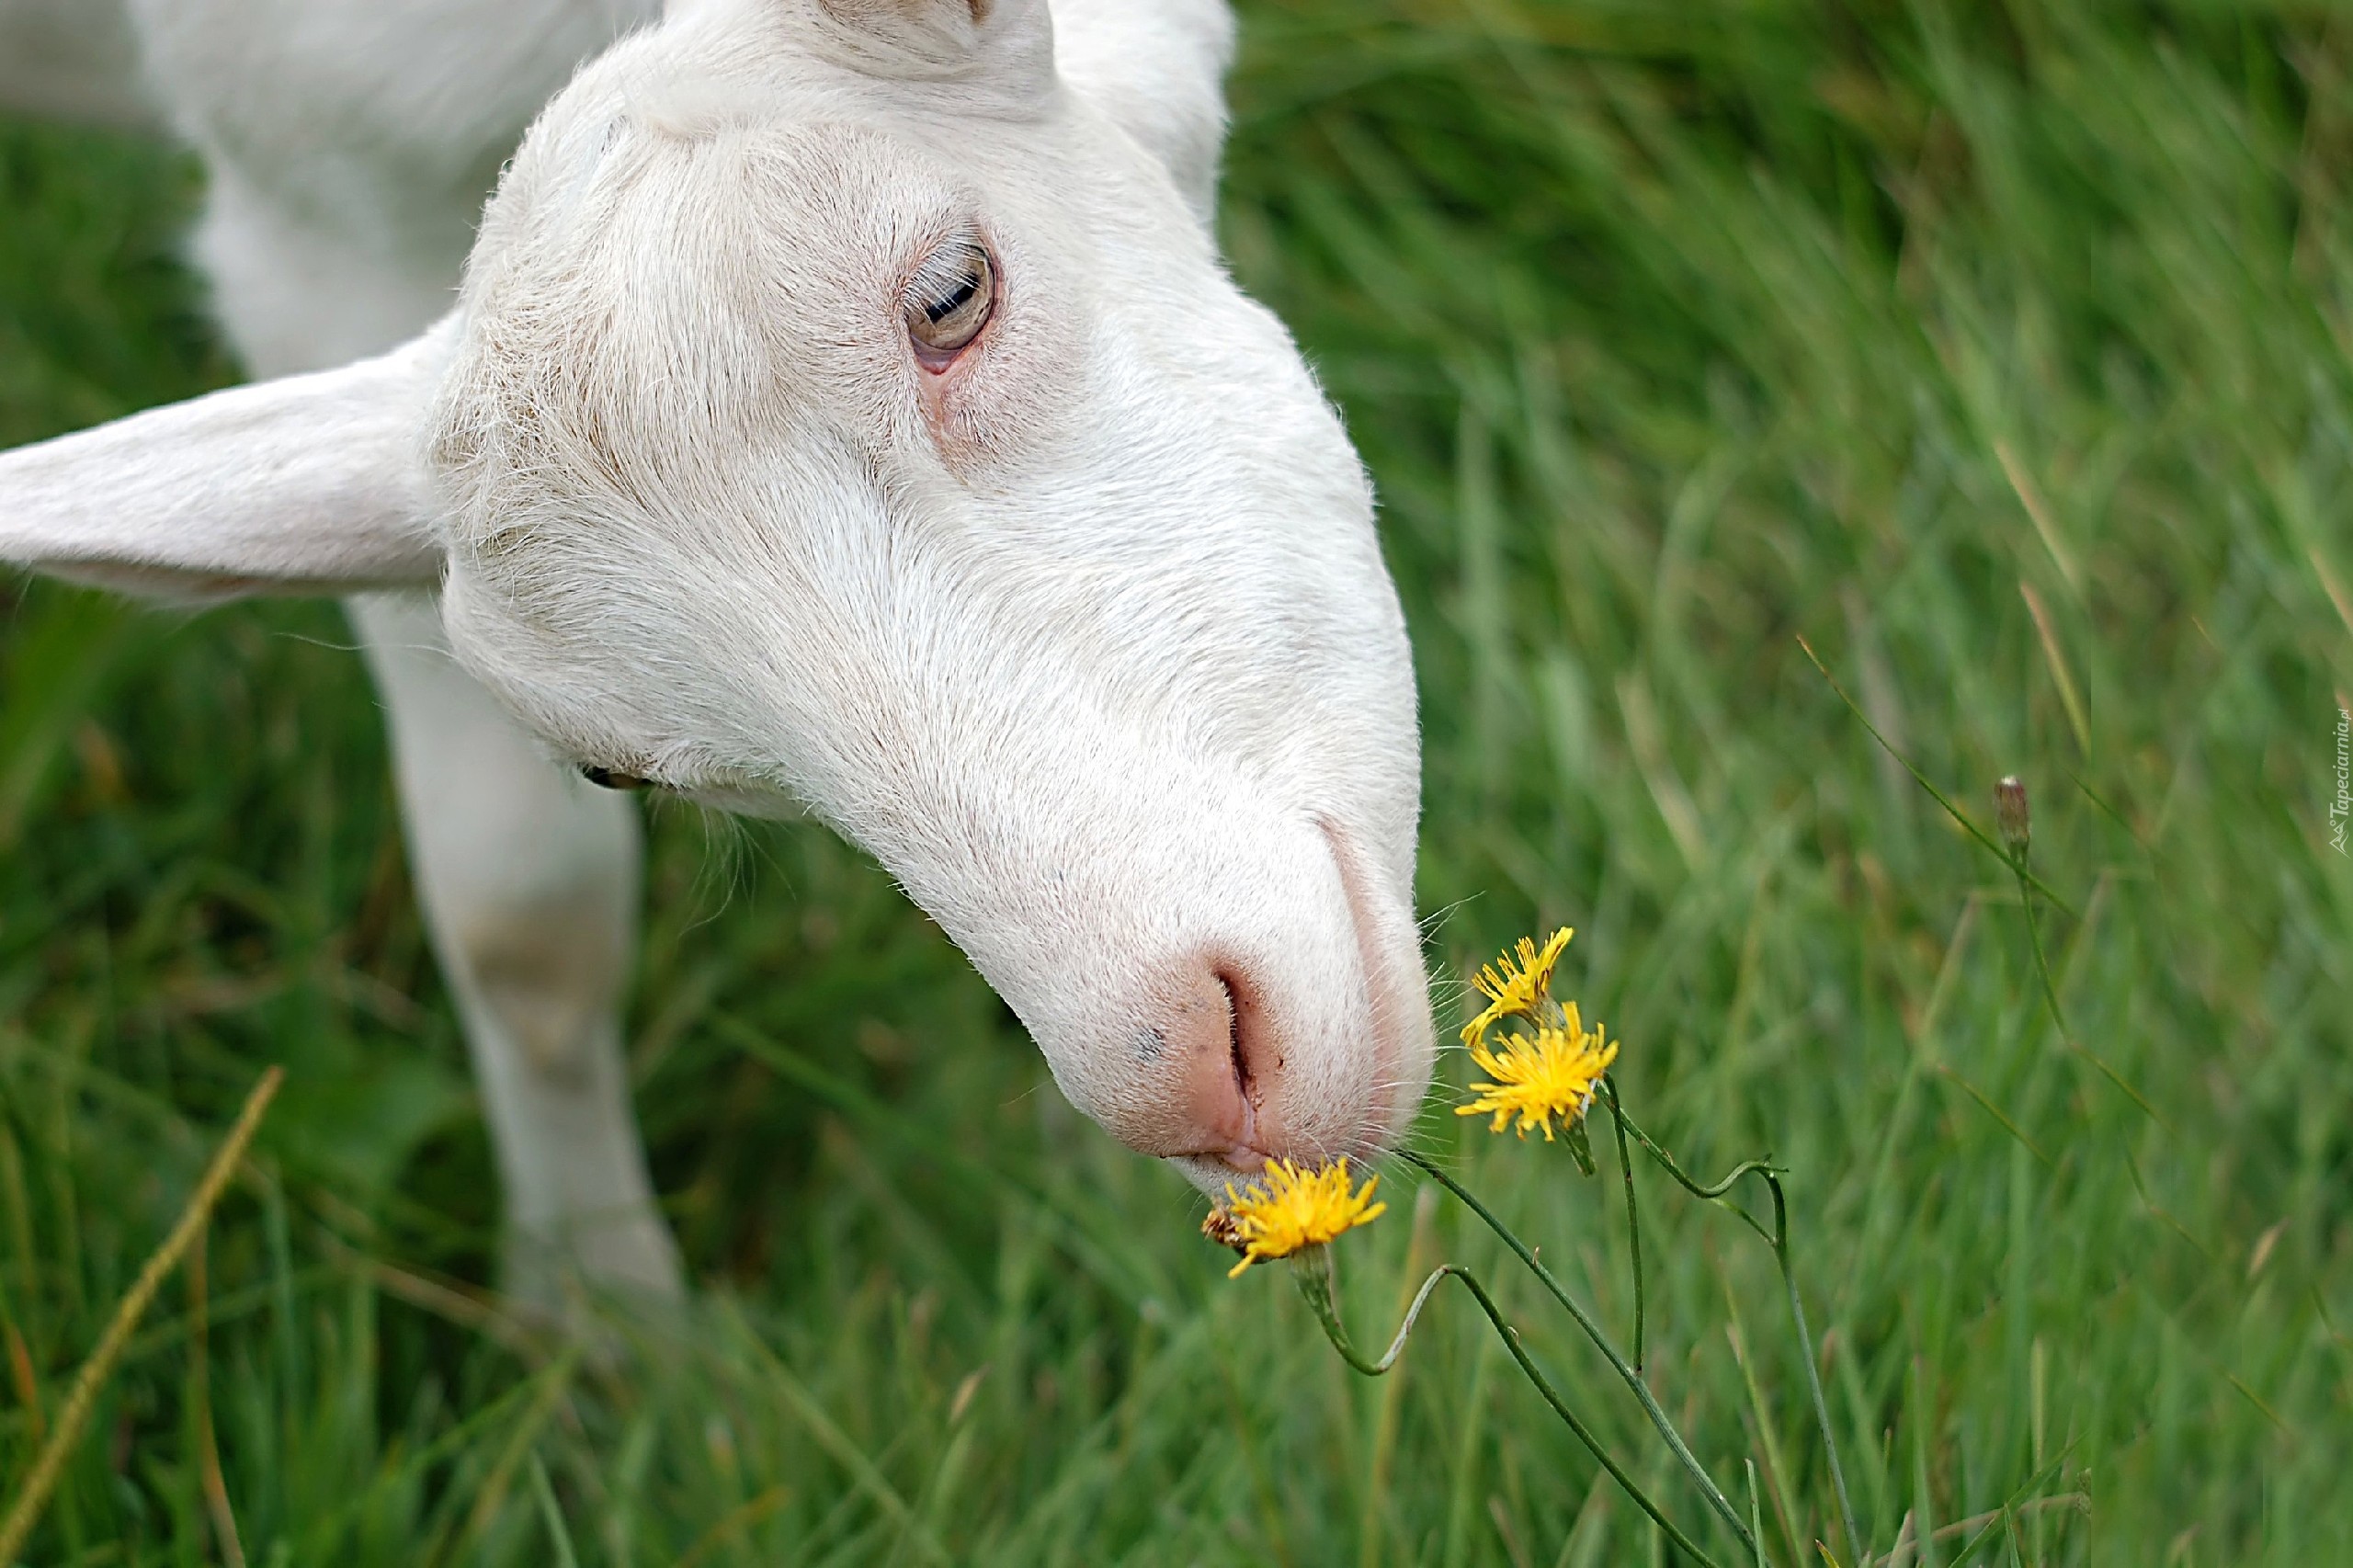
(956, 302)
(949, 300)
(609, 778)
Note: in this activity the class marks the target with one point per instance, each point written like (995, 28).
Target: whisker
(1429, 923)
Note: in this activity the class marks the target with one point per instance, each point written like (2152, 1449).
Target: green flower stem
(1633, 1380)
(1314, 1274)
(1778, 1238)
(1714, 1193)
(1634, 1224)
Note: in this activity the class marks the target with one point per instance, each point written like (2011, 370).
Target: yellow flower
(1536, 1080)
(1292, 1210)
(1515, 991)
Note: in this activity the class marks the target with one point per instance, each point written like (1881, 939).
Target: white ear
(308, 485)
(1156, 68)
(1008, 43)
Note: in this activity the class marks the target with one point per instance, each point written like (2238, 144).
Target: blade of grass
(2069, 698)
(565, 1557)
(839, 1445)
(25, 1511)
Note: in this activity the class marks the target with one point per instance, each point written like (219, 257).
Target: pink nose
(1214, 1067)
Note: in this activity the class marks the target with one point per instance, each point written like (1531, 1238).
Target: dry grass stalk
(25, 1511)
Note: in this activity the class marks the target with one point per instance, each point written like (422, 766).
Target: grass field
(2000, 350)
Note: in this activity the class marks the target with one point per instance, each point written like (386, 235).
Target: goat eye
(606, 778)
(949, 300)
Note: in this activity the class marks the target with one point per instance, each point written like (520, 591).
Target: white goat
(845, 409)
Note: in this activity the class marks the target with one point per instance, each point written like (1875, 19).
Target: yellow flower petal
(1553, 1075)
(1291, 1209)
(1516, 990)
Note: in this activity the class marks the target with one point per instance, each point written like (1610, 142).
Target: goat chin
(844, 408)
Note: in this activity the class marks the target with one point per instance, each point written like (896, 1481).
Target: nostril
(1252, 1043)
(1245, 1079)
(1208, 1066)
(1255, 1062)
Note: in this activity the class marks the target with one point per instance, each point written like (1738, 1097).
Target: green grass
(1671, 332)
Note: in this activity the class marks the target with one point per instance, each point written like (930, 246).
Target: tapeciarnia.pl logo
(2342, 807)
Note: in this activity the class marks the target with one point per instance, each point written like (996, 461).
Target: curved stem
(1315, 1284)
(1778, 1238)
(1632, 1378)
(1715, 1193)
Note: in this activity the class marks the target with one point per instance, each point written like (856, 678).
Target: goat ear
(308, 484)
(1008, 43)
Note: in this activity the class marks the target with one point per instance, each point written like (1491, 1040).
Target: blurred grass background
(1999, 349)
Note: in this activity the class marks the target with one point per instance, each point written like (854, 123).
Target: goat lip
(1240, 1157)
(1249, 1138)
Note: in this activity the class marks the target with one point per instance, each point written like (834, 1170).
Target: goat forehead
(808, 228)
(613, 190)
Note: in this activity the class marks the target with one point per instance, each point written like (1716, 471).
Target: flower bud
(2010, 809)
(1222, 1228)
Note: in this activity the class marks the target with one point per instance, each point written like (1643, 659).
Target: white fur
(1088, 639)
